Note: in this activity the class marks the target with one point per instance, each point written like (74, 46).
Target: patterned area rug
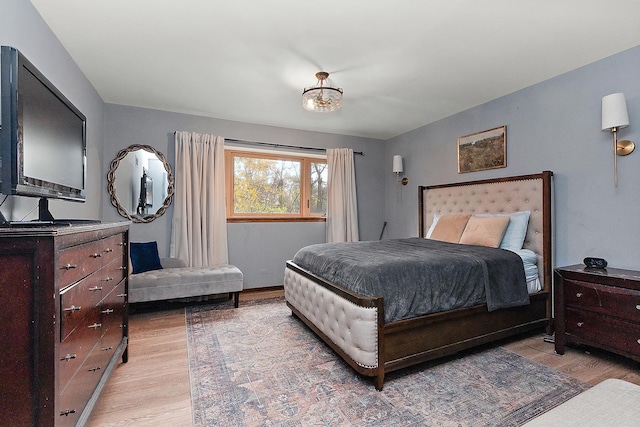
(260, 366)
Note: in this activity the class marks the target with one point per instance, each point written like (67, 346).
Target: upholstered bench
(175, 280)
(612, 402)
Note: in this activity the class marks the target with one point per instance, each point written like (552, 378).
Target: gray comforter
(419, 276)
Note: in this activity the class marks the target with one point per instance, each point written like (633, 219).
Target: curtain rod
(269, 144)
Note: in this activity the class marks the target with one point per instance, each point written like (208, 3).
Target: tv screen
(43, 135)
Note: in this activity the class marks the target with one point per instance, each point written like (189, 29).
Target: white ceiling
(402, 64)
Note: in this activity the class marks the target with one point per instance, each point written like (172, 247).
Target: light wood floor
(153, 389)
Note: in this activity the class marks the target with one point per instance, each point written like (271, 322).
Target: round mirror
(140, 183)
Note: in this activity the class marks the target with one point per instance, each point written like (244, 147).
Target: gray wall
(258, 249)
(554, 125)
(22, 27)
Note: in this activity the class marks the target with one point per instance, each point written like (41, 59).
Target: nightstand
(598, 308)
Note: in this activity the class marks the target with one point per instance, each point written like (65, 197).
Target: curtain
(342, 209)
(199, 226)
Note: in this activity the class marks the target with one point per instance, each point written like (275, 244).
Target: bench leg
(236, 298)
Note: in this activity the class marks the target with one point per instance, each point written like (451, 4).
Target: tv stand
(45, 219)
(43, 210)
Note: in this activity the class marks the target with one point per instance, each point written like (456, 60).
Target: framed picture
(483, 150)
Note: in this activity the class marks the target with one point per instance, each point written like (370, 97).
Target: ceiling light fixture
(321, 98)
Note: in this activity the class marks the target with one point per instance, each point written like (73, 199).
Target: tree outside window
(272, 187)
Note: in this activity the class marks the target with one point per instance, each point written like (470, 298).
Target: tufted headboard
(532, 193)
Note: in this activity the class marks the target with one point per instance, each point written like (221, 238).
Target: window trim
(305, 186)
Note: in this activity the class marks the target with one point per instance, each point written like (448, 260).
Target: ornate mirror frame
(111, 187)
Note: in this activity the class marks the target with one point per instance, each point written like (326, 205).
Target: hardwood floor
(153, 389)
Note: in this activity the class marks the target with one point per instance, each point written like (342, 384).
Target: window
(275, 187)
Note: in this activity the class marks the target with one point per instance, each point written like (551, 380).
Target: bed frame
(353, 325)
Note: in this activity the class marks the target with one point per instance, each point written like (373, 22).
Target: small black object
(593, 262)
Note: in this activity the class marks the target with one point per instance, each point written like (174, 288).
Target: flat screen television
(42, 135)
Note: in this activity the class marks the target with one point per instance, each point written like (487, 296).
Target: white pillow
(516, 232)
(436, 217)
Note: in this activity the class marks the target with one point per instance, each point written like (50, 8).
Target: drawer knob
(107, 311)
(95, 326)
(580, 324)
(638, 341)
(67, 412)
(122, 268)
(73, 308)
(68, 357)
(96, 255)
(108, 250)
(95, 288)
(638, 307)
(70, 266)
(579, 294)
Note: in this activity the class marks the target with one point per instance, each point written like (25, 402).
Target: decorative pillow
(485, 231)
(516, 232)
(144, 257)
(449, 227)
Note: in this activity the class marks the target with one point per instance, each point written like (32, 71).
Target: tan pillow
(449, 227)
(485, 231)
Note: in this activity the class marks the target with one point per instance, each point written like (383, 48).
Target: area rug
(260, 366)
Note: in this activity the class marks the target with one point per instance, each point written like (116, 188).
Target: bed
(353, 324)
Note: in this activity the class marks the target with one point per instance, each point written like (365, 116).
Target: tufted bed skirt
(351, 327)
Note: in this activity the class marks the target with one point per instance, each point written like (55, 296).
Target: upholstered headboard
(532, 193)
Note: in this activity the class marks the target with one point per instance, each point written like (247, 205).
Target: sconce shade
(614, 111)
(397, 163)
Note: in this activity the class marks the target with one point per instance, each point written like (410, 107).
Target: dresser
(63, 320)
(599, 308)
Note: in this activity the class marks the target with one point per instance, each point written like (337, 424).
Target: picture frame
(483, 150)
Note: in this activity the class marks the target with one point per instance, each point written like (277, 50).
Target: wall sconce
(397, 169)
(614, 118)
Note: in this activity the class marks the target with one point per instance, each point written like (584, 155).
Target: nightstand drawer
(595, 328)
(609, 300)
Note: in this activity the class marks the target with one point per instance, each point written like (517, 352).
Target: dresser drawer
(113, 249)
(112, 274)
(614, 301)
(77, 262)
(76, 394)
(611, 332)
(79, 301)
(75, 349)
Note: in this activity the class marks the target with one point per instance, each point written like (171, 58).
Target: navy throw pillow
(144, 257)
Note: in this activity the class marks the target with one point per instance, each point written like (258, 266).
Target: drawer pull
(106, 348)
(122, 244)
(70, 266)
(68, 357)
(95, 326)
(579, 294)
(96, 255)
(107, 279)
(121, 295)
(580, 324)
(122, 268)
(95, 288)
(95, 368)
(73, 308)
(108, 250)
(107, 311)
(638, 307)
(638, 341)
(67, 412)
